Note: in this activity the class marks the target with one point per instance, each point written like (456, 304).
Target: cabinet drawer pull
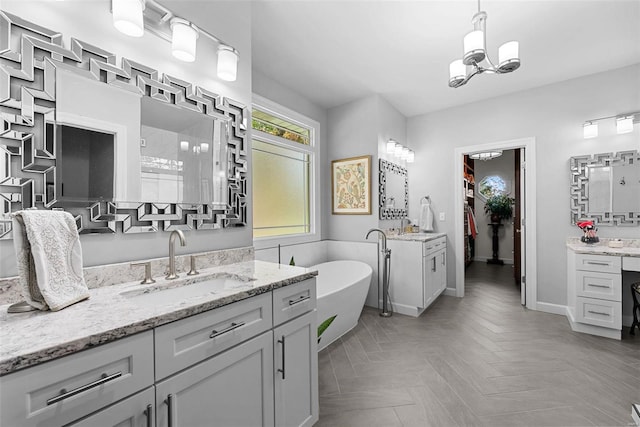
(65, 394)
(299, 300)
(598, 312)
(606, 264)
(434, 264)
(282, 370)
(148, 413)
(598, 286)
(229, 328)
(169, 410)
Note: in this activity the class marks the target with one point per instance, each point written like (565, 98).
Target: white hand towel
(426, 217)
(49, 258)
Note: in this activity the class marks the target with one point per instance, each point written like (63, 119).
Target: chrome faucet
(386, 269)
(172, 252)
(384, 238)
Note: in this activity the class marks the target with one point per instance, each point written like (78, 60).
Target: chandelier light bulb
(624, 125)
(227, 63)
(590, 130)
(457, 73)
(127, 16)
(508, 58)
(473, 47)
(183, 40)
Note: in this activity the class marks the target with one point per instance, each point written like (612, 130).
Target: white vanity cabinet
(67, 389)
(595, 293)
(295, 343)
(418, 273)
(253, 362)
(234, 388)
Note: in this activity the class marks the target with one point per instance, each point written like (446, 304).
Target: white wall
(554, 115)
(502, 166)
(91, 22)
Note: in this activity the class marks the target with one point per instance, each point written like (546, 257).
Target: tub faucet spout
(384, 238)
(172, 252)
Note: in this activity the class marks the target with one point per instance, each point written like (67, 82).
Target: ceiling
(334, 52)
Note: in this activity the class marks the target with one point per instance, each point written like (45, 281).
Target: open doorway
(526, 223)
(493, 200)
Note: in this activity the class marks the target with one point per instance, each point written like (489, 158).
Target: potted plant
(499, 206)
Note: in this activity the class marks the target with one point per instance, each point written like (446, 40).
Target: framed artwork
(351, 186)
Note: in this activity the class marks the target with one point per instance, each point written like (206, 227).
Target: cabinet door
(234, 388)
(296, 372)
(442, 278)
(430, 275)
(405, 282)
(135, 411)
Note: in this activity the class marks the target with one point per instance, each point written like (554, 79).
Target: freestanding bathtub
(342, 288)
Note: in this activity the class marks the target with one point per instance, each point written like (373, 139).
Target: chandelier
(475, 55)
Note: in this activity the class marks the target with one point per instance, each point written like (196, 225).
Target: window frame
(313, 150)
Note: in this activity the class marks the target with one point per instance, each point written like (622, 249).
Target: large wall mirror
(123, 148)
(606, 188)
(393, 191)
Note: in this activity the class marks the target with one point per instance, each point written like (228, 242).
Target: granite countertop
(416, 237)
(630, 248)
(31, 338)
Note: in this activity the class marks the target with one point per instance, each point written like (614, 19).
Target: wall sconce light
(227, 63)
(624, 124)
(183, 40)
(184, 145)
(131, 17)
(128, 16)
(204, 147)
(391, 146)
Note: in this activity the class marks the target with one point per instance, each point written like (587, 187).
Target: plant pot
(495, 218)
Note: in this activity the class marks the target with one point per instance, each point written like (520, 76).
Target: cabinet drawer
(631, 263)
(294, 300)
(66, 389)
(599, 312)
(188, 341)
(603, 263)
(434, 245)
(594, 284)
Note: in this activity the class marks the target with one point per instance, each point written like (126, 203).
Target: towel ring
(428, 200)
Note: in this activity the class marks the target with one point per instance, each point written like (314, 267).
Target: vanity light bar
(400, 151)
(131, 17)
(624, 124)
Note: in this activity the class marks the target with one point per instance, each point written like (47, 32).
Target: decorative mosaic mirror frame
(27, 132)
(386, 212)
(579, 189)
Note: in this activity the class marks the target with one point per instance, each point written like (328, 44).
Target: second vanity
(595, 286)
(418, 271)
(243, 354)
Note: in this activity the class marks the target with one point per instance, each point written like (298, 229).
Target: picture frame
(351, 186)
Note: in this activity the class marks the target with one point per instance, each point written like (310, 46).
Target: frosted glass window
(280, 191)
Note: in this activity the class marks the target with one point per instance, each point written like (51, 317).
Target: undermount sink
(171, 293)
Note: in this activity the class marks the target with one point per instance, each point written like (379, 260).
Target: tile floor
(482, 360)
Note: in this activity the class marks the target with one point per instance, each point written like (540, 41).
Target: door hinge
(522, 222)
(524, 279)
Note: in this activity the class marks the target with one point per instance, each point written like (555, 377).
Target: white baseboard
(450, 292)
(551, 308)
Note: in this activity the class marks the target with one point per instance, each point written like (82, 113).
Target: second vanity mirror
(605, 187)
(393, 190)
(122, 147)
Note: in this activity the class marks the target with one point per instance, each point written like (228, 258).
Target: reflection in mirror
(605, 188)
(85, 166)
(182, 155)
(393, 184)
